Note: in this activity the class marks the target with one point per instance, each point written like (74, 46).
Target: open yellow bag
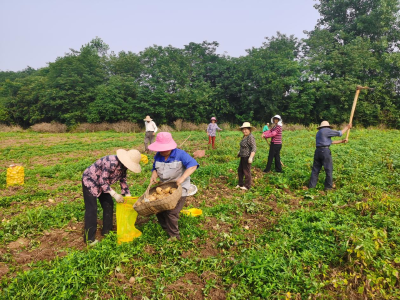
(15, 175)
(126, 218)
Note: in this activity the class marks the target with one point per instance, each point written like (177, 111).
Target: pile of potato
(161, 193)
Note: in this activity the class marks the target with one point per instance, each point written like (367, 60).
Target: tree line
(306, 80)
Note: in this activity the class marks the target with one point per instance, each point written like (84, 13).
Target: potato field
(278, 240)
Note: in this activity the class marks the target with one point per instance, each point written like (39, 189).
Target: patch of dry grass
(53, 127)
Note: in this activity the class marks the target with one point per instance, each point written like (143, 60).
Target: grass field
(276, 241)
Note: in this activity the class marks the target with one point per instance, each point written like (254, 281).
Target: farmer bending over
(175, 164)
(322, 155)
(96, 181)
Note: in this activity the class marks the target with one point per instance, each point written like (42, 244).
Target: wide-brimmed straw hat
(214, 118)
(147, 118)
(164, 142)
(324, 124)
(246, 125)
(130, 159)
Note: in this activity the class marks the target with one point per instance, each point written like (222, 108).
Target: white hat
(147, 118)
(246, 125)
(130, 159)
(277, 117)
(324, 124)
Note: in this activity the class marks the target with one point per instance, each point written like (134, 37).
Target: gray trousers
(148, 139)
(168, 219)
(322, 157)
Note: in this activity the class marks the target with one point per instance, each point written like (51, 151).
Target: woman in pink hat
(212, 131)
(171, 163)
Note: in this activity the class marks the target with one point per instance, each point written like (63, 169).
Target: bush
(93, 127)
(165, 128)
(50, 127)
(178, 124)
(124, 126)
(14, 128)
(226, 126)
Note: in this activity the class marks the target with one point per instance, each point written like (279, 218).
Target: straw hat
(164, 142)
(130, 159)
(324, 124)
(246, 125)
(148, 119)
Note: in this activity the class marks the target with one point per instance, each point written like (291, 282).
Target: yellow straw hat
(247, 125)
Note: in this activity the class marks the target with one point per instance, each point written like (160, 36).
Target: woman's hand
(153, 178)
(180, 180)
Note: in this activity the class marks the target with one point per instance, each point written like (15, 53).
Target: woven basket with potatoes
(164, 196)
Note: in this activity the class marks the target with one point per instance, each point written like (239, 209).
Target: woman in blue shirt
(171, 163)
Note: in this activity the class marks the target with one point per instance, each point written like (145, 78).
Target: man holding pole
(322, 155)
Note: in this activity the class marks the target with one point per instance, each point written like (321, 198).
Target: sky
(33, 33)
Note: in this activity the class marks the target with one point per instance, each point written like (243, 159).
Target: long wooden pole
(352, 110)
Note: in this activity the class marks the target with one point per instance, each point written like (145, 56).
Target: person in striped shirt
(275, 133)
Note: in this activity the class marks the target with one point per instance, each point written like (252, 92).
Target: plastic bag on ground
(126, 218)
(15, 175)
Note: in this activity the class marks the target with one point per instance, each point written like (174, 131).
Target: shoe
(93, 243)
(244, 188)
(266, 171)
(238, 186)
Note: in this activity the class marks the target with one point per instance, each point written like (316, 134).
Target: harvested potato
(152, 198)
(172, 190)
(166, 190)
(159, 190)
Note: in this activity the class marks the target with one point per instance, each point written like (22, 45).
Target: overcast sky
(35, 32)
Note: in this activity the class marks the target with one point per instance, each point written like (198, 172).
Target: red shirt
(274, 133)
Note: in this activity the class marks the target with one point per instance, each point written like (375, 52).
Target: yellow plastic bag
(193, 212)
(126, 218)
(144, 159)
(15, 175)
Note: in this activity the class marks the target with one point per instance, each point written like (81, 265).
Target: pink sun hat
(164, 142)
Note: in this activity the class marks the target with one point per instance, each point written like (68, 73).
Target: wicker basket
(144, 207)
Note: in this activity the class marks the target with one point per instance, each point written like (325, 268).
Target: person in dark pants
(171, 164)
(275, 134)
(246, 153)
(151, 129)
(322, 155)
(96, 181)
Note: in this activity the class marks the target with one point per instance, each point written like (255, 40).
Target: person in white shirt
(151, 129)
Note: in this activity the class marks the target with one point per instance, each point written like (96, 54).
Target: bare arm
(186, 174)
(154, 176)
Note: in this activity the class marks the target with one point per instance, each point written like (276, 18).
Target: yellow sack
(15, 175)
(126, 218)
(144, 159)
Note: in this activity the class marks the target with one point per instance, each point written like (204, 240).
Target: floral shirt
(104, 172)
(212, 129)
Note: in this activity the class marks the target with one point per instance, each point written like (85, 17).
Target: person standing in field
(246, 153)
(212, 131)
(266, 127)
(151, 129)
(322, 154)
(275, 133)
(171, 163)
(96, 181)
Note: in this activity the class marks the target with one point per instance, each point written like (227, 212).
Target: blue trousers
(322, 157)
